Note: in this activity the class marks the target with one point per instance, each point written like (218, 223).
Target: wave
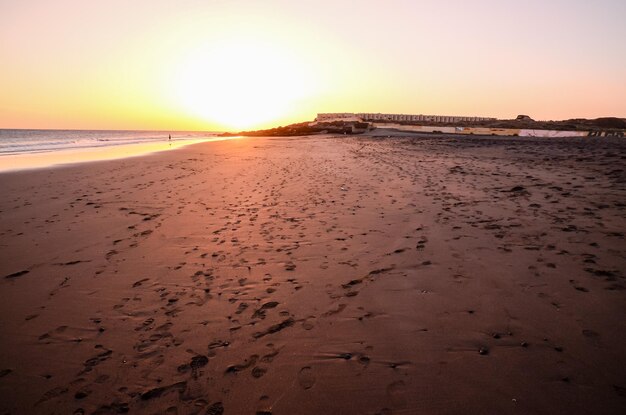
(38, 141)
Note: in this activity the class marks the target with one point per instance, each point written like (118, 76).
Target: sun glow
(241, 83)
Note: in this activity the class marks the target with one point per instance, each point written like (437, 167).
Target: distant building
(397, 117)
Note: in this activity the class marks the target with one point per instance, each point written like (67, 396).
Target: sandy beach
(319, 275)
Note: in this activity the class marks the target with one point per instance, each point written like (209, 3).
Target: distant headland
(522, 125)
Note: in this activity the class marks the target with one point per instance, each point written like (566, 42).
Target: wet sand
(319, 275)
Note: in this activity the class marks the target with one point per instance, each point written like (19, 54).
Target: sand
(319, 275)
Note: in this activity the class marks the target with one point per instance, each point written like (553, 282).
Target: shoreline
(51, 159)
(319, 274)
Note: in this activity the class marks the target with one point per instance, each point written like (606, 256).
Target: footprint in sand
(258, 371)
(306, 377)
(251, 361)
(396, 392)
(216, 408)
(140, 282)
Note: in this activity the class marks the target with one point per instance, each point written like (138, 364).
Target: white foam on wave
(45, 157)
(37, 141)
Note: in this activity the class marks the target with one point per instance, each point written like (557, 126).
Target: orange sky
(215, 65)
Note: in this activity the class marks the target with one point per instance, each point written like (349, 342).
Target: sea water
(36, 141)
(33, 149)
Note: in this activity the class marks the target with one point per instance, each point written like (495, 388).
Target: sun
(241, 83)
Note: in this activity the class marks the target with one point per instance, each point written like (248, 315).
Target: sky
(232, 65)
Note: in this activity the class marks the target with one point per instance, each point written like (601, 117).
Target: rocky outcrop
(306, 128)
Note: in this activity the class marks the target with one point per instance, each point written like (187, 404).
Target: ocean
(38, 141)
